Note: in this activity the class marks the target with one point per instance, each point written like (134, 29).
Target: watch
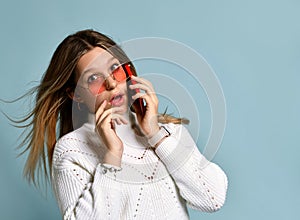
(163, 132)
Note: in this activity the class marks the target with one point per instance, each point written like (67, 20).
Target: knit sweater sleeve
(82, 191)
(201, 183)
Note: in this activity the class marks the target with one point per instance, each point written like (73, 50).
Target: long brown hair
(51, 117)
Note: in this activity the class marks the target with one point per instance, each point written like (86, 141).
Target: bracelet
(163, 132)
(110, 168)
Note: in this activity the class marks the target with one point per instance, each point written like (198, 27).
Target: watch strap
(163, 132)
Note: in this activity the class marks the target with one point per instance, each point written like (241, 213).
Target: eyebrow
(92, 68)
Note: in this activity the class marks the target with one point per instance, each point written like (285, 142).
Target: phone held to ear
(137, 105)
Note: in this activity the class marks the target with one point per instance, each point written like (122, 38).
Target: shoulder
(77, 143)
(76, 138)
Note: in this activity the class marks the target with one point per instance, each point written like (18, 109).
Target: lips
(117, 100)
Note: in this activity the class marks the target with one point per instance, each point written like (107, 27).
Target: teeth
(117, 97)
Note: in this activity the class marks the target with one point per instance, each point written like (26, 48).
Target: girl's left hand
(149, 121)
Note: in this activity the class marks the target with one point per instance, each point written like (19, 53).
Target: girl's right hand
(105, 125)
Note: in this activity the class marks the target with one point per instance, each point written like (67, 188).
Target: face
(100, 77)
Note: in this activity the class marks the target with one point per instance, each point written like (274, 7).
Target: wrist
(153, 132)
(159, 136)
(159, 142)
(110, 168)
(113, 158)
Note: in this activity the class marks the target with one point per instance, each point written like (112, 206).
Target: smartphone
(137, 105)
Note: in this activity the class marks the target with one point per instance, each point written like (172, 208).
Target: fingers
(143, 81)
(143, 87)
(109, 115)
(100, 109)
(149, 120)
(146, 86)
(120, 120)
(143, 96)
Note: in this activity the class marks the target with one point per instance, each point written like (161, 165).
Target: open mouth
(117, 100)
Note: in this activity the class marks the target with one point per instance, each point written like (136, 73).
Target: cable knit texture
(153, 184)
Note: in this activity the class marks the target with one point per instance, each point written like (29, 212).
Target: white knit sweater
(151, 185)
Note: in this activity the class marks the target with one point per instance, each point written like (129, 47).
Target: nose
(110, 83)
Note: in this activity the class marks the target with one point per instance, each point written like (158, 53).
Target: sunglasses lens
(98, 86)
(119, 74)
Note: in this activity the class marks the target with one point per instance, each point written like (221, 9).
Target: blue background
(254, 48)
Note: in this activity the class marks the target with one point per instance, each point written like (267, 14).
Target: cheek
(93, 102)
(122, 86)
(98, 101)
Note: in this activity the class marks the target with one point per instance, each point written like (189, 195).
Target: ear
(74, 96)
